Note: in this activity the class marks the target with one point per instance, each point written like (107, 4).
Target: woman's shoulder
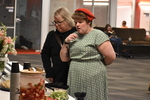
(97, 31)
(51, 33)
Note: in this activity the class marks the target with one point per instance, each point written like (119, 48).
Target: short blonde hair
(64, 13)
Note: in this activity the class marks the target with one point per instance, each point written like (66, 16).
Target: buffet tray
(4, 89)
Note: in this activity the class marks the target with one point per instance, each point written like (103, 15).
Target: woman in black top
(113, 38)
(56, 70)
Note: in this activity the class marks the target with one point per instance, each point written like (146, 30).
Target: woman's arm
(64, 53)
(108, 52)
(46, 54)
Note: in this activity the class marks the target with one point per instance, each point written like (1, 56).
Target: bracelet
(66, 42)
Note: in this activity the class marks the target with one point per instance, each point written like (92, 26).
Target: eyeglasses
(58, 23)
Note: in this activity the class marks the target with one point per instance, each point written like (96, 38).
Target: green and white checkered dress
(87, 73)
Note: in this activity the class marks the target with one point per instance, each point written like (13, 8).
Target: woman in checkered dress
(90, 51)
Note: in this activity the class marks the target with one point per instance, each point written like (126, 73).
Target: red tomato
(31, 89)
(23, 95)
(22, 90)
(27, 92)
(36, 90)
(42, 81)
(30, 84)
(50, 98)
(31, 97)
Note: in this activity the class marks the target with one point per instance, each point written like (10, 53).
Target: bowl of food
(32, 85)
(58, 95)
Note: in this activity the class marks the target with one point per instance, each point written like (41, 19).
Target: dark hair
(124, 22)
(106, 26)
(81, 16)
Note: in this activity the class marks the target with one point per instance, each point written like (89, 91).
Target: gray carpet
(34, 59)
(128, 79)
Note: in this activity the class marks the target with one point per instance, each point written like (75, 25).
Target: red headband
(89, 14)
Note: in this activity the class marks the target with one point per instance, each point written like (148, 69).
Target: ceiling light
(89, 3)
(144, 4)
(96, 0)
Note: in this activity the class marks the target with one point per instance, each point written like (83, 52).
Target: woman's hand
(64, 52)
(71, 37)
(50, 79)
(111, 36)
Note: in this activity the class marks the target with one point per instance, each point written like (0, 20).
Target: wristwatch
(66, 42)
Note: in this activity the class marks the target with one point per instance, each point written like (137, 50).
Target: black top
(111, 34)
(55, 69)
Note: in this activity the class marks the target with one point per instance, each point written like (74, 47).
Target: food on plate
(35, 69)
(5, 84)
(59, 95)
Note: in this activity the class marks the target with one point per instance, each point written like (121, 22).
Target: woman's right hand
(71, 37)
(111, 36)
(50, 79)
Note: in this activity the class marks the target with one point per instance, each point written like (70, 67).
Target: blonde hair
(64, 13)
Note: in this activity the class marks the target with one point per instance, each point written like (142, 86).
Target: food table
(5, 95)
